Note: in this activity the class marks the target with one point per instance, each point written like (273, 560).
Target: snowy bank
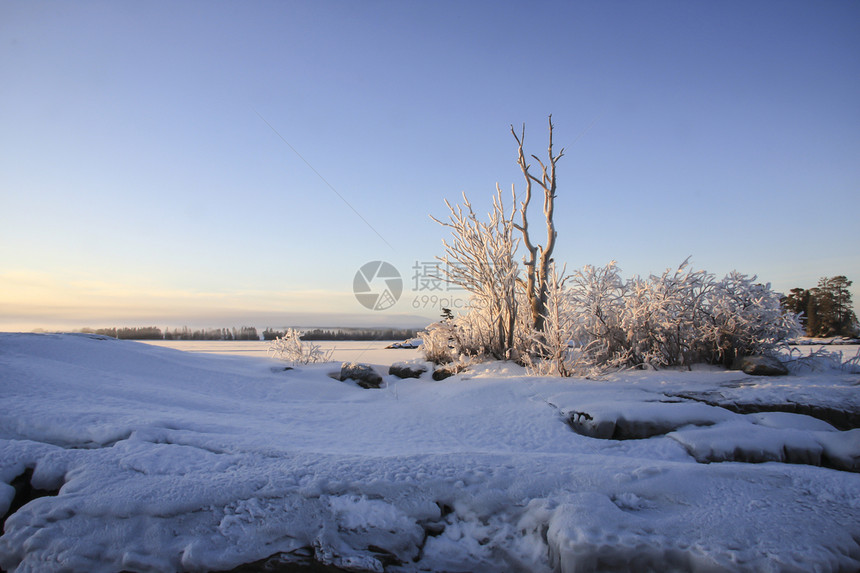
(170, 461)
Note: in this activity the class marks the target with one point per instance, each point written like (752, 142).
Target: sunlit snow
(170, 461)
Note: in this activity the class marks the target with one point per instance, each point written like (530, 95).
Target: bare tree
(481, 260)
(539, 257)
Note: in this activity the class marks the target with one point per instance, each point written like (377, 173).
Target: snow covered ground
(169, 461)
(371, 351)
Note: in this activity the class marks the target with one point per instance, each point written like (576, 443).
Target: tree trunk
(539, 257)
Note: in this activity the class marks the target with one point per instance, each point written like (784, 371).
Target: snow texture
(170, 461)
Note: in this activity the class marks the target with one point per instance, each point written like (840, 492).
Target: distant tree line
(348, 334)
(825, 310)
(270, 334)
(250, 333)
(134, 333)
(184, 333)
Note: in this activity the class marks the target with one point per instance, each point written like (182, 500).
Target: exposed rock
(761, 366)
(363, 374)
(407, 370)
(443, 372)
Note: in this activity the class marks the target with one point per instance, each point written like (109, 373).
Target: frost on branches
(745, 318)
(679, 318)
(291, 348)
(469, 337)
(480, 259)
(551, 349)
(596, 321)
(592, 319)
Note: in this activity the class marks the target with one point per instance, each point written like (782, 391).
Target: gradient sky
(141, 184)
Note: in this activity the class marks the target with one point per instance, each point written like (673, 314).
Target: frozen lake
(371, 351)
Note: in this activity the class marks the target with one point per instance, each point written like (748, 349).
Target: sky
(229, 163)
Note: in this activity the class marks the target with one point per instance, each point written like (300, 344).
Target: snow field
(170, 461)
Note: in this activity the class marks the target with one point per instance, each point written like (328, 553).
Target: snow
(372, 351)
(169, 461)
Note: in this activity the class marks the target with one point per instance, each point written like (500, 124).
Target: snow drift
(167, 461)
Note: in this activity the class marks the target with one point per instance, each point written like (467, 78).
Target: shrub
(291, 348)
(679, 318)
(744, 318)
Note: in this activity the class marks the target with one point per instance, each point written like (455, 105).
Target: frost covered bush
(743, 318)
(551, 351)
(597, 297)
(470, 335)
(662, 316)
(437, 342)
(291, 348)
(480, 259)
(686, 316)
(597, 321)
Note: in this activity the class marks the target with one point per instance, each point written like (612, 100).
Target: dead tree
(538, 261)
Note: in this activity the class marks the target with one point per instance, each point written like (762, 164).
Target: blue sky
(139, 184)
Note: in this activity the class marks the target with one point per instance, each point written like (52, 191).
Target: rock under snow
(761, 366)
(363, 374)
(444, 371)
(407, 369)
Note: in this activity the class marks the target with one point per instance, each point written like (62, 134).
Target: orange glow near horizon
(32, 300)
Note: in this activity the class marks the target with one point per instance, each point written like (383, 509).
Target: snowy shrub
(852, 365)
(662, 315)
(597, 304)
(679, 318)
(552, 352)
(480, 259)
(594, 321)
(437, 342)
(744, 318)
(291, 348)
(472, 334)
(822, 360)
